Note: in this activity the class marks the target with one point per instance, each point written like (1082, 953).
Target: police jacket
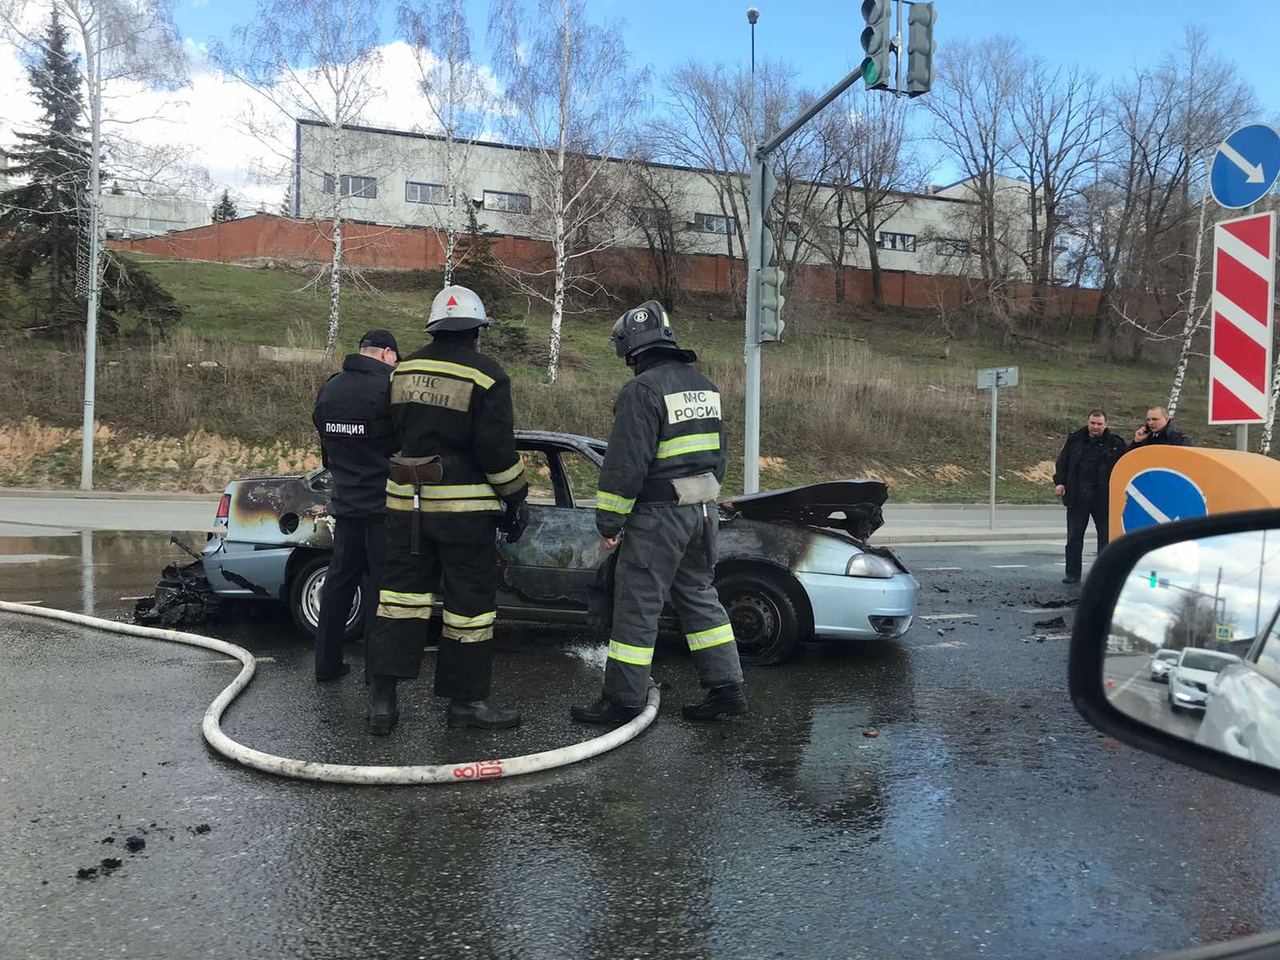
(666, 425)
(356, 438)
(1071, 459)
(451, 401)
(1170, 436)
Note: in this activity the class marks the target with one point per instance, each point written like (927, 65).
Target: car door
(548, 573)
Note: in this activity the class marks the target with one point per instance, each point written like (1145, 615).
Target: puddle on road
(87, 572)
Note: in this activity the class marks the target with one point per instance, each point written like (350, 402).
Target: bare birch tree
(656, 201)
(707, 111)
(571, 97)
(973, 105)
(1057, 132)
(876, 169)
(458, 97)
(315, 59)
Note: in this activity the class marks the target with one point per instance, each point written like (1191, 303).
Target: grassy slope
(853, 391)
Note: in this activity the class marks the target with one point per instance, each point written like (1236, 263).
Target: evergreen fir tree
(225, 208)
(40, 219)
(475, 265)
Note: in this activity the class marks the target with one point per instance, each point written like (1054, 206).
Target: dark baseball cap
(381, 339)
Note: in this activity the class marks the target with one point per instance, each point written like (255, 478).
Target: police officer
(455, 481)
(354, 423)
(656, 505)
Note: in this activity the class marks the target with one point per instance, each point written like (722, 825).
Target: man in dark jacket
(1158, 429)
(1082, 479)
(354, 423)
(657, 505)
(457, 479)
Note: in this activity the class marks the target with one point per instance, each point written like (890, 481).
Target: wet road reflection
(936, 797)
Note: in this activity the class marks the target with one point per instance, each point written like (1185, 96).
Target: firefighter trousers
(667, 550)
(461, 570)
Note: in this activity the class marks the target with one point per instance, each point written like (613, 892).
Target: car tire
(764, 618)
(304, 599)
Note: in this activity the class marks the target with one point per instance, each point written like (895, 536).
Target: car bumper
(860, 608)
(1190, 699)
(245, 570)
(1160, 677)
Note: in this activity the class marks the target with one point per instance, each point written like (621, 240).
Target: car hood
(1197, 676)
(852, 506)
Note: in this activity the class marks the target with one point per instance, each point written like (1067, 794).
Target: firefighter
(657, 506)
(456, 480)
(354, 423)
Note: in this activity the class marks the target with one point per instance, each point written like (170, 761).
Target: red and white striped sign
(1244, 253)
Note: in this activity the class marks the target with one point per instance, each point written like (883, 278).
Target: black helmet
(456, 309)
(643, 328)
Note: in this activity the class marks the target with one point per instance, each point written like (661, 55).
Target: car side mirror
(1209, 589)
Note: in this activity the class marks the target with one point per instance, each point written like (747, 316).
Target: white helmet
(456, 309)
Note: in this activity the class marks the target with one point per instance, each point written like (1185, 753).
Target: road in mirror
(1194, 644)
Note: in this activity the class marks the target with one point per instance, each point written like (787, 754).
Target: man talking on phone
(1158, 429)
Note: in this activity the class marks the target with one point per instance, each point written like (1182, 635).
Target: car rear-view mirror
(1176, 644)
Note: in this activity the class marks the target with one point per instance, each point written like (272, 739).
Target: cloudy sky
(1195, 565)
(819, 37)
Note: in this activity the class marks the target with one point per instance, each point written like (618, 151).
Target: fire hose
(340, 772)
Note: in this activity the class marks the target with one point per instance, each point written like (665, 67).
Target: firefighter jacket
(356, 437)
(666, 426)
(451, 401)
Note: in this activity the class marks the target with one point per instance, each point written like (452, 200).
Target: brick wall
(265, 236)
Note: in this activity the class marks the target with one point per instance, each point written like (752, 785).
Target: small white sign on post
(993, 378)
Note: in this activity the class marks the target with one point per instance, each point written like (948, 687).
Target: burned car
(794, 565)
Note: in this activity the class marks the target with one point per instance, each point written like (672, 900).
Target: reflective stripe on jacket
(666, 425)
(451, 401)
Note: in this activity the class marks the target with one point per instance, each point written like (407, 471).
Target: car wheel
(304, 599)
(763, 617)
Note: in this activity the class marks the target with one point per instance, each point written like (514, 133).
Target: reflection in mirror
(1194, 645)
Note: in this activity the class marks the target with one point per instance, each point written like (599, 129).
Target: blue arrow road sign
(1245, 166)
(1159, 496)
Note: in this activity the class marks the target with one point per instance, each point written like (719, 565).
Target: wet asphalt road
(984, 819)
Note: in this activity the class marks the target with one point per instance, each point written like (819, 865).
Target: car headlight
(869, 565)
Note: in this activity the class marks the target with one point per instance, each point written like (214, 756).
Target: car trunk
(850, 506)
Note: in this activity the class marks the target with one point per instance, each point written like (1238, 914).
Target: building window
(951, 247)
(508, 202)
(436, 193)
(353, 186)
(792, 232)
(852, 235)
(902, 242)
(714, 223)
(655, 218)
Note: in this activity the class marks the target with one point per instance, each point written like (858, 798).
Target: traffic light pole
(755, 258)
(755, 262)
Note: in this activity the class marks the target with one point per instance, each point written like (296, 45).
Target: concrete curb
(980, 536)
(33, 494)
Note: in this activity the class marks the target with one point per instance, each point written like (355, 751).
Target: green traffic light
(1153, 581)
(870, 72)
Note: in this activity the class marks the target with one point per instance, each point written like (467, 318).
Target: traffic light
(768, 278)
(1153, 580)
(920, 48)
(876, 42)
(771, 301)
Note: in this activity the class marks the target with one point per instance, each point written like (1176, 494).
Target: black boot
(383, 712)
(479, 715)
(727, 701)
(605, 712)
